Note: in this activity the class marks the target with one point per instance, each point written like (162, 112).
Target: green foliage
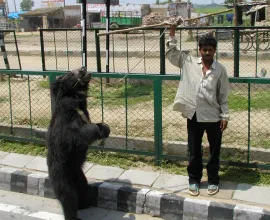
(27, 5)
(116, 95)
(239, 102)
(3, 99)
(44, 84)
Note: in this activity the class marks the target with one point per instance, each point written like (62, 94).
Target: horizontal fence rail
(138, 108)
(244, 51)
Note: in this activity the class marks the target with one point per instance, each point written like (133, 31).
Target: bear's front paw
(104, 130)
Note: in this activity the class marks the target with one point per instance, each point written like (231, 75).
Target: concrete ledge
(178, 148)
(130, 199)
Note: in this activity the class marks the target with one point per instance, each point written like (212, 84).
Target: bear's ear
(61, 84)
(81, 72)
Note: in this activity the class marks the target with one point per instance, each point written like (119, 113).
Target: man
(202, 98)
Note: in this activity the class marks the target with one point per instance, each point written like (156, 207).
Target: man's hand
(172, 30)
(223, 125)
(173, 22)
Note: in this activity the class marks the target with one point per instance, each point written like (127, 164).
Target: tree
(27, 5)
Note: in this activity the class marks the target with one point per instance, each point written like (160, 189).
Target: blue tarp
(15, 15)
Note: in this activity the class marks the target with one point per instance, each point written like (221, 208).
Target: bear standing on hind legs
(69, 134)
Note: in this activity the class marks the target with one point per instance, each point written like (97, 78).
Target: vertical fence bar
(17, 50)
(217, 44)
(102, 99)
(236, 52)
(256, 51)
(249, 105)
(180, 45)
(42, 49)
(144, 61)
(10, 106)
(98, 51)
(81, 48)
(30, 108)
(113, 53)
(51, 80)
(67, 49)
(162, 51)
(127, 54)
(55, 53)
(126, 107)
(197, 42)
(158, 120)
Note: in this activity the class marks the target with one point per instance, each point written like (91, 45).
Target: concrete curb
(129, 199)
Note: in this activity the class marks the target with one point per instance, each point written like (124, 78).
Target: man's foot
(212, 189)
(194, 189)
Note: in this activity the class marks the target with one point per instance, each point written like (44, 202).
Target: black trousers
(214, 136)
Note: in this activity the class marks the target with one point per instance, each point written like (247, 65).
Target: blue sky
(73, 2)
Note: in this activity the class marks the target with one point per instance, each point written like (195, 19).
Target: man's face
(207, 52)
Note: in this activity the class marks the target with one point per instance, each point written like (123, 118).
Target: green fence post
(126, 107)
(52, 78)
(236, 52)
(249, 99)
(257, 49)
(98, 51)
(67, 49)
(144, 61)
(55, 51)
(42, 49)
(158, 120)
(162, 51)
(17, 51)
(127, 53)
(30, 107)
(10, 105)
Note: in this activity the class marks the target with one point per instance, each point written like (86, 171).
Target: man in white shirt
(202, 98)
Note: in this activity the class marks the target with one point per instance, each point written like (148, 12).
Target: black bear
(69, 134)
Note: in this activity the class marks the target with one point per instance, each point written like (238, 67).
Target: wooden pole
(160, 24)
(235, 13)
(131, 29)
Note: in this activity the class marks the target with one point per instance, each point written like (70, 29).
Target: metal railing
(138, 108)
(244, 51)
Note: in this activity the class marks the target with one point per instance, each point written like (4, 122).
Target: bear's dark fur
(69, 135)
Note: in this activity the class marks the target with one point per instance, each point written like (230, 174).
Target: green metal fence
(244, 51)
(138, 108)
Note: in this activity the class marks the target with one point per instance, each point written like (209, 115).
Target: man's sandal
(193, 189)
(212, 189)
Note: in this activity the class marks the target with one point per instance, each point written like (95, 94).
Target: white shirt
(206, 95)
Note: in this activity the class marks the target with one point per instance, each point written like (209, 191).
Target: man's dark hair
(207, 39)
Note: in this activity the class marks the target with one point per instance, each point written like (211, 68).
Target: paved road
(17, 206)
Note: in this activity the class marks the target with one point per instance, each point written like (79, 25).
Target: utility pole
(15, 6)
(235, 13)
(7, 7)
